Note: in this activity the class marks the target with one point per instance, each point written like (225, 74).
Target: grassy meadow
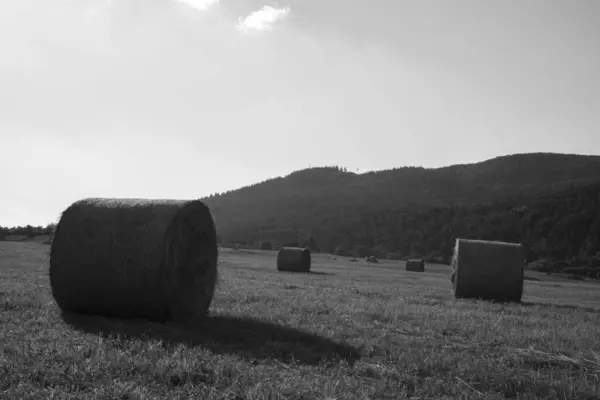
(349, 330)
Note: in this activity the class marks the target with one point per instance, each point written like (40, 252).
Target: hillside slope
(517, 175)
(340, 208)
(549, 202)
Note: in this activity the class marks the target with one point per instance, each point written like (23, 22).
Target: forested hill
(414, 210)
(549, 202)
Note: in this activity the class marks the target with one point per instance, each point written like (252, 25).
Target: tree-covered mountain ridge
(549, 202)
(534, 198)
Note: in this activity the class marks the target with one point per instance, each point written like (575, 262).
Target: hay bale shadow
(562, 306)
(248, 338)
(490, 301)
(321, 273)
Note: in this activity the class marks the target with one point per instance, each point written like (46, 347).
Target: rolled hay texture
(415, 265)
(293, 259)
(135, 258)
(488, 270)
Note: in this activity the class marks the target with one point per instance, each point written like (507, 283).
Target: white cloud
(262, 19)
(199, 4)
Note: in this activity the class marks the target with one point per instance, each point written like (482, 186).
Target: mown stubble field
(347, 331)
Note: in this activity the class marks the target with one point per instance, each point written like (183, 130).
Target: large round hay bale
(153, 259)
(293, 259)
(488, 270)
(415, 265)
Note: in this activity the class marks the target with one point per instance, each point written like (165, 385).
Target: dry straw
(154, 259)
(293, 259)
(415, 265)
(488, 270)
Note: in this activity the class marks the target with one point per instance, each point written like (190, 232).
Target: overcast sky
(183, 98)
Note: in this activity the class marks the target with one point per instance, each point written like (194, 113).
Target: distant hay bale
(488, 270)
(265, 246)
(293, 259)
(415, 265)
(135, 258)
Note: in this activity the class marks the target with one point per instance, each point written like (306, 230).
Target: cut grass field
(347, 330)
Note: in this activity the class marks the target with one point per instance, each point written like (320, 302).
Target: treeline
(548, 202)
(563, 226)
(561, 230)
(26, 231)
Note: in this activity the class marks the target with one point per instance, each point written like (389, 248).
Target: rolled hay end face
(135, 258)
(488, 270)
(293, 259)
